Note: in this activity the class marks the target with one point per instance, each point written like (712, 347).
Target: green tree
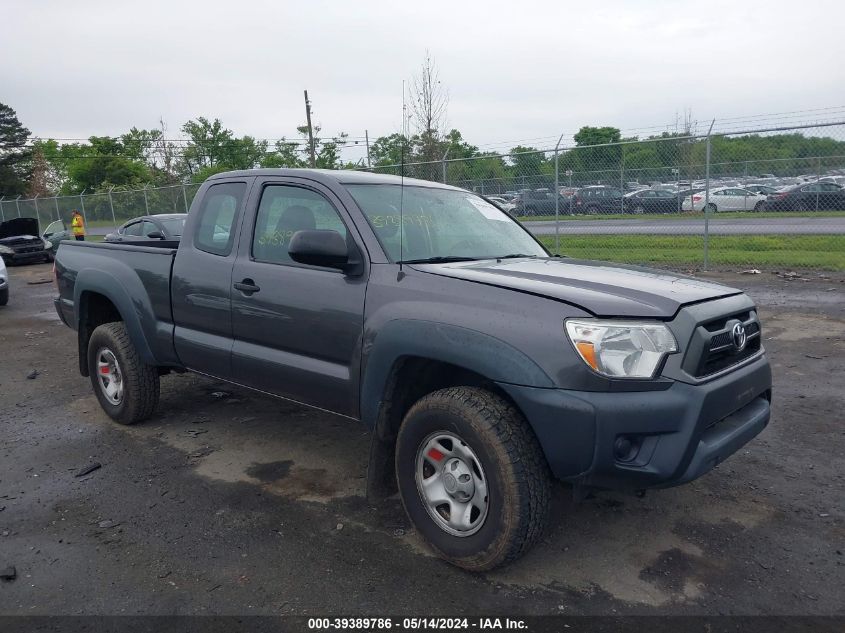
(14, 155)
(389, 150)
(212, 148)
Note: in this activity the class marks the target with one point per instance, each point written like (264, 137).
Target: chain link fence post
(37, 213)
(443, 162)
(146, 202)
(18, 205)
(185, 197)
(621, 179)
(82, 205)
(2, 213)
(557, 197)
(111, 205)
(707, 198)
(56, 200)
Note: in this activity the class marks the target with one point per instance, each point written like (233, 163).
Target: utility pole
(367, 139)
(310, 131)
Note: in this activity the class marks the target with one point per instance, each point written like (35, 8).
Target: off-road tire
(140, 381)
(517, 474)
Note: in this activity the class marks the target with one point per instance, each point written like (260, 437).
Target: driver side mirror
(155, 235)
(322, 248)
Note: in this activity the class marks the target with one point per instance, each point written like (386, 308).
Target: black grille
(716, 361)
(717, 348)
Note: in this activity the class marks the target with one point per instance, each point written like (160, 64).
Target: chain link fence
(767, 198)
(102, 211)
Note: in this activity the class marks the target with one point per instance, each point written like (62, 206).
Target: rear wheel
(592, 210)
(4, 296)
(639, 209)
(472, 477)
(758, 206)
(126, 388)
(710, 208)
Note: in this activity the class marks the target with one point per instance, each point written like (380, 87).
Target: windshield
(54, 227)
(173, 226)
(441, 223)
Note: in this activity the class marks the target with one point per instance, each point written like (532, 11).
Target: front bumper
(680, 432)
(25, 258)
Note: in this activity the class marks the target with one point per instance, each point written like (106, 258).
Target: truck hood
(606, 290)
(19, 227)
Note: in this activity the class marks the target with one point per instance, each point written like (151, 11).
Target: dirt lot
(243, 504)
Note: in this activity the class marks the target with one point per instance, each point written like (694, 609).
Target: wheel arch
(99, 299)
(410, 359)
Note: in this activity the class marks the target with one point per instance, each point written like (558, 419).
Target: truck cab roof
(343, 176)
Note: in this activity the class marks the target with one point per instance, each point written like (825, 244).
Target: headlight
(621, 349)
(47, 243)
(5, 250)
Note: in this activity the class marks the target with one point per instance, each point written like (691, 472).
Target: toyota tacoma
(484, 367)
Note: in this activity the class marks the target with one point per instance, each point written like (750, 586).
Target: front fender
(470, 349)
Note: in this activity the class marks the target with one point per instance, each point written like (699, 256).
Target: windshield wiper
(439, 260)
(514, 255)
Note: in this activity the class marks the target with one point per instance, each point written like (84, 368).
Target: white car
(4, 283)
(503, 204)
(725, 199)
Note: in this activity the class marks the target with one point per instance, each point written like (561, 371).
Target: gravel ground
(229, 502)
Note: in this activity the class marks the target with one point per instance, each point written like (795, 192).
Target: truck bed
(134, 274)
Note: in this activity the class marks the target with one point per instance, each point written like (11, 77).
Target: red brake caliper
(435, 454)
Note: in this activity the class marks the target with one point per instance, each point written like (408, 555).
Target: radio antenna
(402, 177)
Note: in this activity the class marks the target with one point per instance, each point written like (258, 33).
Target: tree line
(147, 157)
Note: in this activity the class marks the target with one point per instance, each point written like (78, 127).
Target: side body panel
(299, 335)
(135, 279)
(201, 289)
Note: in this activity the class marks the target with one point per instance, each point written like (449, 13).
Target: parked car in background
(4, 283)
(537, 202)
(814, 196)
(725, 199)
(20, 242)
(162, 226)
(502, 203)
(595, 199)
(54, 234)
(760, 188)
(651, 201)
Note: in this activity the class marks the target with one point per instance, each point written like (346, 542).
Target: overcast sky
(515, 71)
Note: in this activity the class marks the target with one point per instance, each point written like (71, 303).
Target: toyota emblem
(739, 337)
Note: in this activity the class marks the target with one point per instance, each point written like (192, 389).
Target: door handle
(247, 286)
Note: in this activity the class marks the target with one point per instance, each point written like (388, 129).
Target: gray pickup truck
(484, 367)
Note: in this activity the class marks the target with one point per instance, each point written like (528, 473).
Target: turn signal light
(588, 353)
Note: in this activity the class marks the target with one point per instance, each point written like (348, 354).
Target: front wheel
(710, 208)
(127, 389)
(4, 296)
(758, 206)
(472, 477)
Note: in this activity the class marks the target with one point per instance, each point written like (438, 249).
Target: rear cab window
(215, 229)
